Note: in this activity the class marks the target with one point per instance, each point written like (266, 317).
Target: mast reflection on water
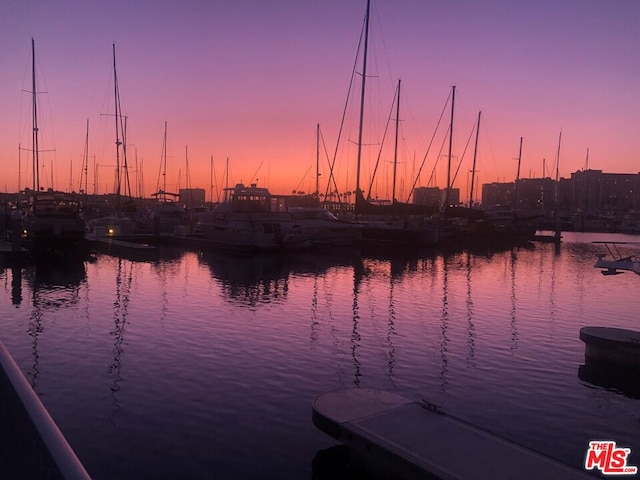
(213, 361)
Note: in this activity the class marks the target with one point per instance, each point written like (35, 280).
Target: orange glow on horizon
(255, 95)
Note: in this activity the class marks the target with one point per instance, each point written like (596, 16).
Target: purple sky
(249, 81)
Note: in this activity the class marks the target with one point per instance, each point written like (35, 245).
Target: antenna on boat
(256, 173)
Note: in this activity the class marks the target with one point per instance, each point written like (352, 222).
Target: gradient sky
(249, 80)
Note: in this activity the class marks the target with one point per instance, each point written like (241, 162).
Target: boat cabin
(254, 200)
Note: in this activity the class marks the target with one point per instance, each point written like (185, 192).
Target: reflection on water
(214, 360)
(624, 381)
(54, 286)
(514, 302)
(264, 278)
(391, 331)
(471, 341)
(358, 275)
(16, 284)
(249, 281)
(124, 278)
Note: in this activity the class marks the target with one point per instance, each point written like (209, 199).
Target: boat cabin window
(278, 204)
(251, 203)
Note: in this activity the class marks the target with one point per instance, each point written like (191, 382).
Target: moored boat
(251, 218)
(323, 228)
(53, 221)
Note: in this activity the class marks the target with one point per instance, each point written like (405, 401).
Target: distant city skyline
(248, 81)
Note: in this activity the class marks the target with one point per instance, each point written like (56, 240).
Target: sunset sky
(249, 80)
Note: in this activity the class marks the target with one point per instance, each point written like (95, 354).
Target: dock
(391, 436)
(617, 346)
(126, 248)
(31, 444)
(12, 250)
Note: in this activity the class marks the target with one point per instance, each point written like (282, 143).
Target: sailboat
(168, 212)
(52, 220)
(494, 227)
(317, 223)
(117, 222)
(397, 224)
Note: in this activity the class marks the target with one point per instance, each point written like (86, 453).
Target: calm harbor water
(200, 366)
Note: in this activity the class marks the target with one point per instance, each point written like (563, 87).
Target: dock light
(111, 231)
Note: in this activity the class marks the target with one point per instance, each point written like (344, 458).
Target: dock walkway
(395, 437)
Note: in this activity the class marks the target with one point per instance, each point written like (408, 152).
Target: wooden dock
(395, 437)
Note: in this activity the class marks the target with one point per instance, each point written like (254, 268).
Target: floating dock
(391, 436)
(124, 248)
(31, 444)
(12, 250)
(616, 346)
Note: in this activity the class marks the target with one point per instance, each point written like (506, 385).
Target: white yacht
(251, 218)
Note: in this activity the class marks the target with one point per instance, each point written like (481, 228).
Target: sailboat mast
(473, 167)
(558, 169)
(586, 161)
(446, 193)
(117, 122)
(19, 166)
(85, 161)
(36, 163)
(558, 233)
(515, 203)
(211, 179)
(362, 94)
(164, 160)
(395, 153)
(317, 160)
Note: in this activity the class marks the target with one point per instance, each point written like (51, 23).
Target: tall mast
(116, 97)
(446, 193)
(558, 234)
(19, 166)
(85, 163)
(515, 203)
(558, 169)
(36, 163)
(395, 153)
(211, 180)
(317, 160)
(138, 177)
(188, 175)
(362, 94)
(586, 161)
(164, 159)
(473, 167)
